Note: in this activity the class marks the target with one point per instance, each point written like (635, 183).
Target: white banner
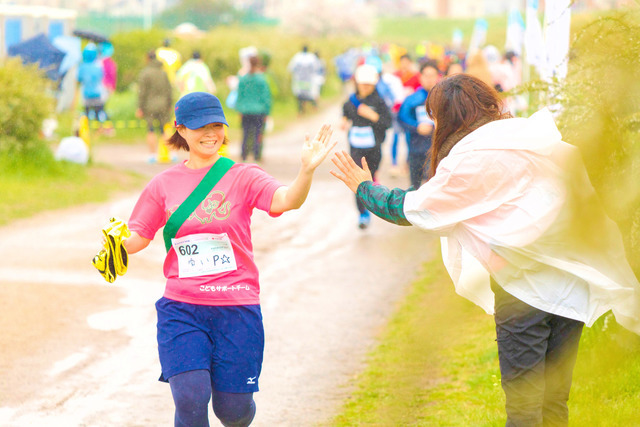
(515, 32)
(533, 39)
(557, 29)
(478, 37)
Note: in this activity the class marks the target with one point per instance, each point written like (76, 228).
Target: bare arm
(368, 113)
(293, 196)
(425, 129)
(135, 243)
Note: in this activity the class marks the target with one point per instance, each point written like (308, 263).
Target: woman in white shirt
(523, 236)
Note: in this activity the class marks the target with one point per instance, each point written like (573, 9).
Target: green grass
(37, 183)
(436, 365)
(409, 31)
(606, 387)
(412, 30)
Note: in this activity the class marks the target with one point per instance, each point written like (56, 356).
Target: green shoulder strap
(217, 171)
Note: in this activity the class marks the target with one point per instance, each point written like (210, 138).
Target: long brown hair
(456, 103)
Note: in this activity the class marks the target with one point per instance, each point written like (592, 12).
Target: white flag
(533, 40)
(456, 39)
(556, 34)
(515, 32)
(478, 37)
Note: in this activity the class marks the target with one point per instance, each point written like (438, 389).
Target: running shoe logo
(250, 380)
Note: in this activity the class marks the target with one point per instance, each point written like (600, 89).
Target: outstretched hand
(352, 175)
(316, 150)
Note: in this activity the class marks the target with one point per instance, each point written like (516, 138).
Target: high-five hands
(315, 150)
(351, 174)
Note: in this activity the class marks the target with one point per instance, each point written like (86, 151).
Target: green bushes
(219, 49)
(26, 101)
(130, 49)
(601, 115)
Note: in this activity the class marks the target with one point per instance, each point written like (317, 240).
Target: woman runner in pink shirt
(210, 333)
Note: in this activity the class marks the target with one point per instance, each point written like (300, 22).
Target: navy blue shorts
(228, 341)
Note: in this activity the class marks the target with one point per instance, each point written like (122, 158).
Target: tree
(329, 17)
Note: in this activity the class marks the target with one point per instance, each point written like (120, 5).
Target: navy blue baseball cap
(198, 109)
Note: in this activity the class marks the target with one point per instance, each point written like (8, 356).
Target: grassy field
(38, 183)
(436, 364)
(410, 31)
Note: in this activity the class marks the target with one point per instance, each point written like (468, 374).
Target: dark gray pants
(373, 156)
(537, 352)
(252, 133)
(417, 168)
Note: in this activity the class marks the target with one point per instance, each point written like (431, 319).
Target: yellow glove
(113, 259)
(103, 262)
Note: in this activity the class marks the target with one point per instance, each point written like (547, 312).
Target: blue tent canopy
(39, 50)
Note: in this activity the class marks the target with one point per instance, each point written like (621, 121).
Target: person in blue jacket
(90, 76)
(414, 119)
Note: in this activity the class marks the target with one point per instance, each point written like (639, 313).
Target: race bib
(204, 254)
(362, 137)
(422, 116)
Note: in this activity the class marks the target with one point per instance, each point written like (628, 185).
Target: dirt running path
(76, 351)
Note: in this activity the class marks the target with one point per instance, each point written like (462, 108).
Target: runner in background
(170, 58)
(303, 68)
(408, 74)
(155, 96)
(366, 117)
(254, 105)
(419, 127)
(194, 76)
(320, 76)
(454, 68)
(411, 82)
(478, 66)
(210, 331)
(346, 64)
(91, 87)
(392, 91)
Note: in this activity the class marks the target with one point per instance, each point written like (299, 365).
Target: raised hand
(351, 174)
(315, 150)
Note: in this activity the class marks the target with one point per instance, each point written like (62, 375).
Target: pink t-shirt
(226, 209)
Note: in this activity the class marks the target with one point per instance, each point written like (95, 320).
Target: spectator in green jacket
(254, 105)
(155, 103)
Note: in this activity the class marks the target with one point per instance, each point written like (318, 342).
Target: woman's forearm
(382, 202)
(293, 196)
(135, 243)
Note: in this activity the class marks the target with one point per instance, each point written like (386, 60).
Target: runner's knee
(234, 409)
(191, 394)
